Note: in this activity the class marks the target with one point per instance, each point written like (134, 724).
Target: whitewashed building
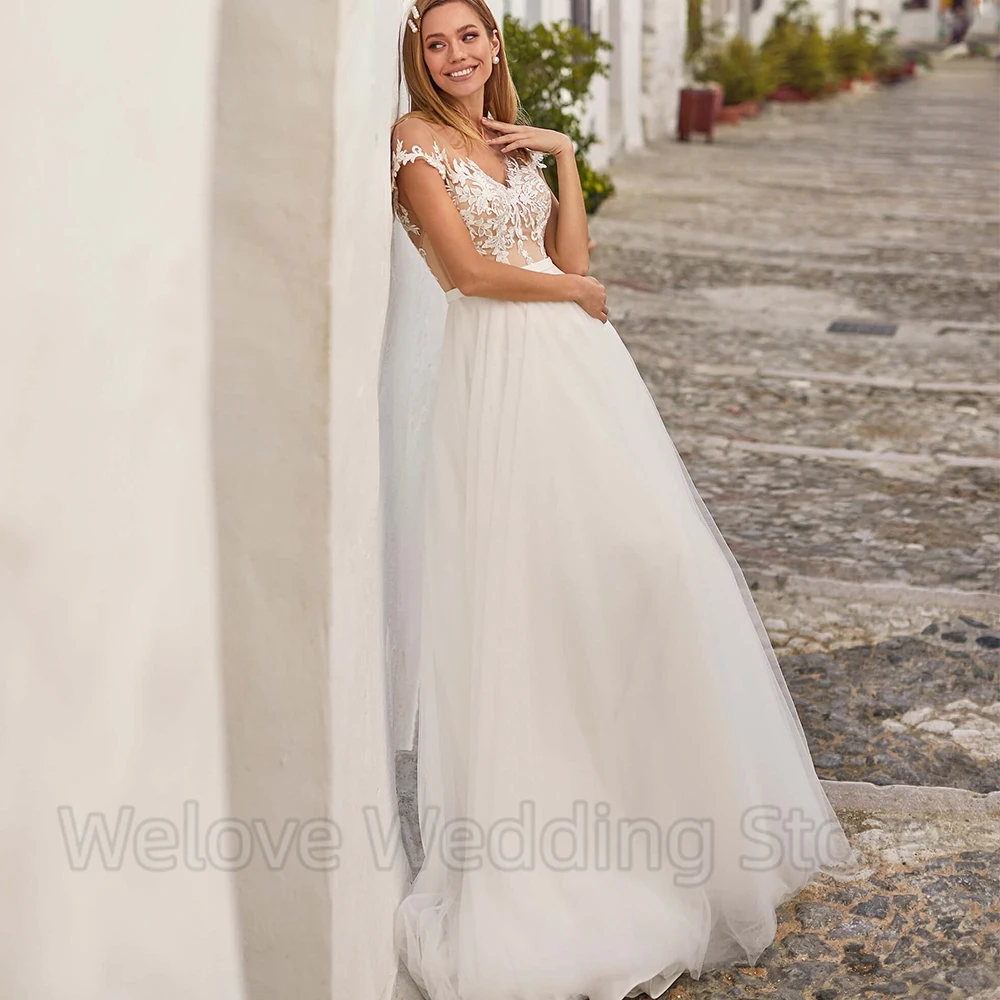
(638, 101)
(754, 18)
(915, 20)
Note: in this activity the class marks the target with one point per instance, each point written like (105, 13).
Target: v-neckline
(505, 183)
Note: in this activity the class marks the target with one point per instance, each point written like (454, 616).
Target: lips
(461, 74)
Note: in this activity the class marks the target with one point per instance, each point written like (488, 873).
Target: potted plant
(849, 54)
(797, 51)
(552, 66)
(742, 76)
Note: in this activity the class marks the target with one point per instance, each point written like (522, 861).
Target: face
(457, 49)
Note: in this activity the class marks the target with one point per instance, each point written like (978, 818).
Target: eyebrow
(440, 34)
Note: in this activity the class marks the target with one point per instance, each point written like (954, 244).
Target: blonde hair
(434, 106)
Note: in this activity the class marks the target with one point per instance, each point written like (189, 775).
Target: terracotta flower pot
(789, 95)
(847, 83)
(729, 116)
(747, 109)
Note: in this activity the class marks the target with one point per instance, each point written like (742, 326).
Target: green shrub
(850, 53)
(807, 64)
(797, 51)
(552, 66)
(742, 70)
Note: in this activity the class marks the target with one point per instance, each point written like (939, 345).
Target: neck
(473, 107)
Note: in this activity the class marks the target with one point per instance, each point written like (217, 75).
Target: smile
(461, 74)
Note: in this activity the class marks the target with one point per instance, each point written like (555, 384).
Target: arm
(567, 239)
(422, 190)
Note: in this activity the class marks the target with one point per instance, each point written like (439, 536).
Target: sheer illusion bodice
(505, 220)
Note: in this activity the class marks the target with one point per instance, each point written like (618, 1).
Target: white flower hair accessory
(412, 21)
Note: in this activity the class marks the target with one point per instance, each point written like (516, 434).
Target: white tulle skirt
(613, 784)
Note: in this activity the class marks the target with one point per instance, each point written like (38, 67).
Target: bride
(614, 787)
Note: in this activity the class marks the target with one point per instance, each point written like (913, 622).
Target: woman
(613, 784)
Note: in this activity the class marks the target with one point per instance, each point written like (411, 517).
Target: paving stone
(877, 906)
(911, 681)
(925, 960)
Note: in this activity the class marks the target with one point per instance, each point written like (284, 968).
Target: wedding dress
(611, 771)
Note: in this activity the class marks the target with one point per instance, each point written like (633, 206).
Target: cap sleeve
(413, 140)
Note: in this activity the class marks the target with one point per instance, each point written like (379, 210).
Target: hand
(592, 297)
(511, 137)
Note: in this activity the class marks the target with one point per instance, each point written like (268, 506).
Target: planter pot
(789, 95)
(868, 77)
(696, 113)
(729, 116)
(910, 69)
(747, 109)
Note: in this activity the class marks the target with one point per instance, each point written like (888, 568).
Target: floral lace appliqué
(504, 219)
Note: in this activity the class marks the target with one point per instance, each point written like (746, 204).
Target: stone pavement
(918, 710)
(857, 480)
(927, 930)
(855, 477)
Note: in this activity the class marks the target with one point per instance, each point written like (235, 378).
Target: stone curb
(836, 378)
(913, 801)
(879, 592)
(859, 455)
(935, 461)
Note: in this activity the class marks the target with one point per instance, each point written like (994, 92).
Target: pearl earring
(496, 59)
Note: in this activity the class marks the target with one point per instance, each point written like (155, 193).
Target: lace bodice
(505, 220)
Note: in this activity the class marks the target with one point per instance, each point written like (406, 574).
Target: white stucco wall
(534, 11)
(303, 226)
(195, 278)
(365, 890)
(111, 688)
(664, 41)
(639, 97)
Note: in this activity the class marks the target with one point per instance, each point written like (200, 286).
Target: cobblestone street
(844, 469)
(856, 478)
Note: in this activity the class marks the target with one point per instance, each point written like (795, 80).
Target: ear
(495, 45)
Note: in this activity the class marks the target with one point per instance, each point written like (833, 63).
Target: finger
(498, 126)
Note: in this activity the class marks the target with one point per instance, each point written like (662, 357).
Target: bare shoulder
(414, 130)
